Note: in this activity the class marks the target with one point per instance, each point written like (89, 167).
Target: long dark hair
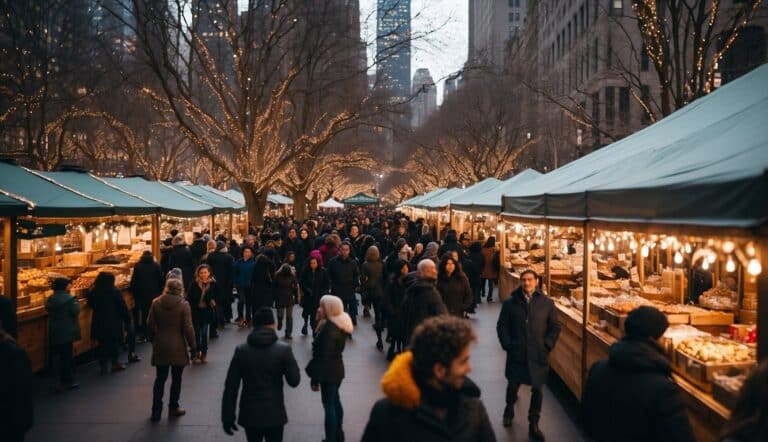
(749, 418)
(490, 242)
(441, 273)
(105, 282)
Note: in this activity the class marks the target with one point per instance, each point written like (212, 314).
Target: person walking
(222, 269)
(473, 267)
(202, 299)
(262, 281)
(260, 365)
(242, 276)
(181, 257)
(16, 390)
(286, 294)
(453, 286)
(631, 396)
(314, 284)
(392, 306)
(344, 276)
(372, 282)
(173, 339)
(491, 264)
(326, 369)
(110, 315)
(422, 300)
(528, 329)
(428, 396)
(63, 330)
(146, 285)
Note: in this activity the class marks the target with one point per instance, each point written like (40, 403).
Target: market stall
(76, 226)
(465, 218)
(436, 209)
(668, 218)
(330, 204)
(409, 206)
(361, 199)
(225, 209)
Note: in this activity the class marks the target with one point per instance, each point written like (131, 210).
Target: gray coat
(528, 332)
(170, 326)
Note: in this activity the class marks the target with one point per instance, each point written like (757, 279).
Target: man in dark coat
(146, 284)
(223, 269)
(422, 300)
(261, 364)
(197, 249)
(16, 390)
(293, 244)
(631, 396)
(528, 329)
(344, 275)
(450, 244)
(182, 258)
(428, 396)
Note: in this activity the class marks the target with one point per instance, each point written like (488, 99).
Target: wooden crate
(701, 373)
(711, 317)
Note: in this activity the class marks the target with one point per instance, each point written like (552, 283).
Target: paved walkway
(116, 407)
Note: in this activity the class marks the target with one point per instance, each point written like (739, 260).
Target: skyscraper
(424, 97)
(393, 48)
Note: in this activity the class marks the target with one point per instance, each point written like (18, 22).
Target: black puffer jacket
(262, 281)
(110, 314)
(313, 286)
(327, 348)
(223, 270)
(182, 258)
(286, 289)
(422, 301)
(344, 276)
(631, 397)
(147, 279)
(261, 364)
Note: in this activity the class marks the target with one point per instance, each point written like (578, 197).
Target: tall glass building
(393, 48)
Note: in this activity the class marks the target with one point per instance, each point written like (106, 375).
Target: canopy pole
(231, 226)
(762, 303)
(9, 260)
(156, 236)
(212, 227)
(585, 311)
(547, 258)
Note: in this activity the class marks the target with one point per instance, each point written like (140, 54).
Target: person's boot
(176, 411)
(379, 345)
(157, 411)
(534, 432)
(203, 357)
(279, 324)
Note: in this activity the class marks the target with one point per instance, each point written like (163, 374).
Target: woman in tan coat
(170, 327)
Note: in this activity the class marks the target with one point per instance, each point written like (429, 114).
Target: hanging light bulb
(728, 246)
(644, 251)
(730, 266)
(633, 245)
(704, 264)
(750, 250)
(678, 258)
(106, 236)
(663, 245)
(754, 267)
(611, 246)
(688, 248)
(81, 228)
(602, 247)
(711, 258)
(58, 247)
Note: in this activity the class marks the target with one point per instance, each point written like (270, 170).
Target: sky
(443, 51)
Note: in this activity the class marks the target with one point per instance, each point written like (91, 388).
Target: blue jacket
(63, 312)
(244, 272)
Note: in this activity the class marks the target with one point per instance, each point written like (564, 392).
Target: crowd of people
(418, 292)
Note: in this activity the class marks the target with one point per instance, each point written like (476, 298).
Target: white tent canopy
(331, 203)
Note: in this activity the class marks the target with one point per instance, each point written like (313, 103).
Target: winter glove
(230, 428)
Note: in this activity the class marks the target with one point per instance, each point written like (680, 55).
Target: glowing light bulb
(82, 229)
(678, 258)
(633, 245)
(750, 250)
(644, 251)
(728, 246)
(711, 258)
(106, 236)
(602, 247)
(730, 266)
(58, 247)
(754, 267)
(688, 248)
(704, 264)
(663, 245)
(610, 246)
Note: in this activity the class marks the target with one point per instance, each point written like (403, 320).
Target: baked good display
(719, 298)
(716, 351)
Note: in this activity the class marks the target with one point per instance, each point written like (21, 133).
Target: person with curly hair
(428, 394)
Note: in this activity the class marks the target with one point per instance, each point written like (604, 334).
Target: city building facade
(424, 101)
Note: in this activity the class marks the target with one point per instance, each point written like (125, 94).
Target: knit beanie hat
(175, 273)
(646, 322)
(263, 316)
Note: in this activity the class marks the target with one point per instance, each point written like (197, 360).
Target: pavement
(116, 407)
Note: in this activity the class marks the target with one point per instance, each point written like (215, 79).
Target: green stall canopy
(11, 206)
(361, 199)
(221, 203)
(172, 202)
(123, 203)
(46, 198)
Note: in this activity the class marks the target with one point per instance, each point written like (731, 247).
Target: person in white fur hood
(326, 369)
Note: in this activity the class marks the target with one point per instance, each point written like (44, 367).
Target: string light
(754, 267)
(678, 258)
(728, 246)
(644, 251)
(730, 266)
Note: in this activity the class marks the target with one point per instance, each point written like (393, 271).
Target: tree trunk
(256, 202)
(313, 204)
(299, 204)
